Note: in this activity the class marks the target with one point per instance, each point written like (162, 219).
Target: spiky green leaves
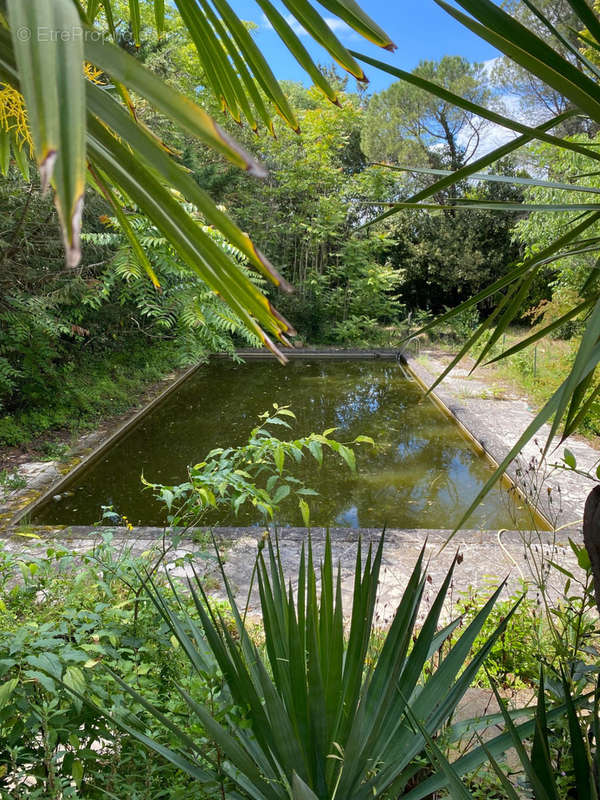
(48, 44)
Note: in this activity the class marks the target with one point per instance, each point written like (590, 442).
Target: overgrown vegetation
(351, 288)
(133, 662)
(102, 385)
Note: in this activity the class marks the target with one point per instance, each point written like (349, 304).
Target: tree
(535, 99)
(410, 126)
(575, 77)
(84, 130)
(305, 214)
(448, 257)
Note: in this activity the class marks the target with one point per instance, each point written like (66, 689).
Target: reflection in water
(422, 474)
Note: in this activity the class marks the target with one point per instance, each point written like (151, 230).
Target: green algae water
(422, 473)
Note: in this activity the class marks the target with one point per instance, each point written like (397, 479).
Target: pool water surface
(423, 472)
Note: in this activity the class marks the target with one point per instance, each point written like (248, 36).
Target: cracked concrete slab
(497, 421)
(485, 559)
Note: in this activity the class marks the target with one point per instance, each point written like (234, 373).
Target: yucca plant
(575, 75)
(80, 87)
(323, 717)
(545, 778)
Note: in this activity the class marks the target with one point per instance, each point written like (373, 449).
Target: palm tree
(564, 63)
(84, 132)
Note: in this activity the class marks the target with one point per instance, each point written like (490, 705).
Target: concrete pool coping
(457, 414)
(498, 422)
(484, 560)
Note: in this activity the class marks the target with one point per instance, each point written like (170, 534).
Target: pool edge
(86, 462)
(254, 354)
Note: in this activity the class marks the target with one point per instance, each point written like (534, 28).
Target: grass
(538, 371)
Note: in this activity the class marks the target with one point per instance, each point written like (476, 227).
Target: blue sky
(420, 29)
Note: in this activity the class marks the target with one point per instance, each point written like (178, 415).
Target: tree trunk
(591, 536)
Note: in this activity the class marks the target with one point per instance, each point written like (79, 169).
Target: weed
(10, 482)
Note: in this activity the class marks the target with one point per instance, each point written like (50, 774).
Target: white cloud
(265, 24)
(338, 26)
(295, 25)
(490, 65)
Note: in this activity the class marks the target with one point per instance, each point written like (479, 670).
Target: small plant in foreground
(514, 658)
(255, 474)
(62, 613)
(10, 482)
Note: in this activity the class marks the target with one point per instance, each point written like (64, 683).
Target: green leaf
(456, 787)
(51, 76)
(312, 21)
(134, 15)
(540, 750)
(348, 455)
(21, 161)
(539, 788)
(285, 412)
(582, 556)
(281, 493)
(583, 769)
(251, 53)
(587, 16)
(195, 247)
(74, 679)
(5, 142)
(146, 147)
(506, 206)
(511, 794)
(305, 511)
(316, 449)
(300, 791)
(543, 416)
(123, 67)
(6, 690)
(481, 163)
(569, 459)
(159, 16)
(357, 19)
(137, 248)
(279, 458)
(544, 331)
(77, 772)
(295, 46)
(487, 178)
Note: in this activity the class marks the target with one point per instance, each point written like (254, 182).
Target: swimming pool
(423, 473)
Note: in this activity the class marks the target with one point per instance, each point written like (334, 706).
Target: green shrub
(63, 620)
(513, 660)
(105, 384)
(11, 432)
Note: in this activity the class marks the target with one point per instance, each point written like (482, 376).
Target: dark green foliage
(105, 384)
(321, 721)
(77, 344)
(61, 618)
(452, 255)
